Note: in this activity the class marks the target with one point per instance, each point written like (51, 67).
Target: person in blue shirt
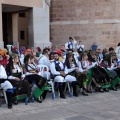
(94, 46)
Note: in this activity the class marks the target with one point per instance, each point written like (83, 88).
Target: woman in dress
(15, 75)
(74, 70)
(33, 75)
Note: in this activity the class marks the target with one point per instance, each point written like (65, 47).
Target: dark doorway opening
(7, 28)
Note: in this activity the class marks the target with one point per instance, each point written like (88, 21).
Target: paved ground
(97, 106)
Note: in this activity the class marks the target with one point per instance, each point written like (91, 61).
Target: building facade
(24, 22)
(87, 20)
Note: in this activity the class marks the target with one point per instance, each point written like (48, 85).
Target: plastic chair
(5, 96)
(69, 89)
(4, 93)
(44, 68)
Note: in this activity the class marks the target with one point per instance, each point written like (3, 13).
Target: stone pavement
(96, 106)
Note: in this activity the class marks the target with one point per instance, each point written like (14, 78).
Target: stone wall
(86, 20)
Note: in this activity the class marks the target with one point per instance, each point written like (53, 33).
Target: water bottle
(70, 94)
(34, 87)
(0, 103)
(53, 96)
(26, 101)
(32, 99)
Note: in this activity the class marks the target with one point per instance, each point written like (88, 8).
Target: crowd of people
(86, 69)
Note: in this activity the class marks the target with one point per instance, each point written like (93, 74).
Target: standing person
(94, 46)
(80, 47)
(60, 73)
(118, 51)
(70, 45)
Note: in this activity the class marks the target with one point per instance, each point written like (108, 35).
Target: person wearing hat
(3, 58)
(24, 53)
(60, 74)
(70, 44)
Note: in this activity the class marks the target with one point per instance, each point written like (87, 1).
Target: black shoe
(10, 106)
(62, 96)
(44, 94)
(89, 91)
(84, 93)
(106, 90)
(99, 89)
(75, 94)
(113, 88)
(39, 100)
(15, 102)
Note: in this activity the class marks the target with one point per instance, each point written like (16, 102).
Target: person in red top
(3, 58)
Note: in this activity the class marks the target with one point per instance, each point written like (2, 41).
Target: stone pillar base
(15, 43)
(40, 44)
(1, 44)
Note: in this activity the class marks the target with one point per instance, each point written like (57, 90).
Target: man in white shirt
(71, 44)
(44, 60)
(60, 73)
(80, 47)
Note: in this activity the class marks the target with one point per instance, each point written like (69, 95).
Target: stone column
(1, 30)
(38, 27)
(15, 29)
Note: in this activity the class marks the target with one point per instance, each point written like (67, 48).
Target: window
(22, 35)
(22, 14)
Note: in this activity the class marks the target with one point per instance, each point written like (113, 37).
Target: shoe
(39, 100)
(113, 88)
(15, 102)
(10, 106)
(75, 94)
(99, 89)
(106, 90)
(84, 93)
(89, 91)
(63, 97)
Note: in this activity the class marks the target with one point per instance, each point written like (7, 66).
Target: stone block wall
(86, 20)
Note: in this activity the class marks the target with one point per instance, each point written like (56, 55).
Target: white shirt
(3, 74)
(118, 52)
(22, 59)
(44, 61)
(80, 47)
(72, 44)
(53, 69)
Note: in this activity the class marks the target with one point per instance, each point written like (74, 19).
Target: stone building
(87, 21)
(24, 22)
